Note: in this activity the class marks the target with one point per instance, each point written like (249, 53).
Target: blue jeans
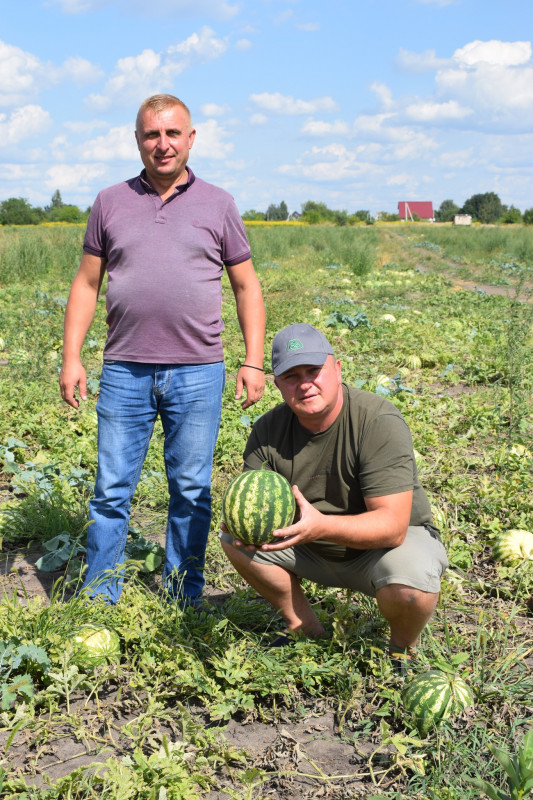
(188, 399)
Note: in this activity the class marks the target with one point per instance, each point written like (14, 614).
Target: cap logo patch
(294, 344)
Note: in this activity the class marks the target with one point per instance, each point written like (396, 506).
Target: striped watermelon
(95, 645)
(255, 504)
(513, 547)
(433, 696)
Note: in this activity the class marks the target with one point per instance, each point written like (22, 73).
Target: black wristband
(252, 367)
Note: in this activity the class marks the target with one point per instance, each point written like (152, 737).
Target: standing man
(363, 520)
(164, 238)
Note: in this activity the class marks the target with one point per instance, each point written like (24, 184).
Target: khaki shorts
(418, 562)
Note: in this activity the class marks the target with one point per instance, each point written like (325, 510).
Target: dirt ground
(307, 758)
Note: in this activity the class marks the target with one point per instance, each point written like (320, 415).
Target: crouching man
(363, 520)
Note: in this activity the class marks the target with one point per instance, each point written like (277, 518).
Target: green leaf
(509, 764)
(486, 787)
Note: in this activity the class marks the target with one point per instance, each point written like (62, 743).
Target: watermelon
(94, 645)
(513, 547)
(257, 503)
(413, 362)
(433, 696)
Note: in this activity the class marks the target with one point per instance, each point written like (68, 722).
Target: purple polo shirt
(164, 263)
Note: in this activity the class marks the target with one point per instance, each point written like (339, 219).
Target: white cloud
(457, 159)
(78, 177)
(85, 127)
(310, 27)
(258, 119)
(320, 128)
(214, 110)
(21, 74)
(243, 44)
(203, 46)
(383, 93)
(502, 54)
(495, 79)
(117, 143)
(137, 77)
(427, 111)
(419, 63)
(211, 141)
(335, 162)
(285, 104)
(81, 71)
(402, 179)
(24, 123)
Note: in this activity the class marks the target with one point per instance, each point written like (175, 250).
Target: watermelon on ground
(94, 645)
(435, 695)
(255, 504)
(513, 547)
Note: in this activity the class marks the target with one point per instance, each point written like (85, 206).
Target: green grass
(163, 712)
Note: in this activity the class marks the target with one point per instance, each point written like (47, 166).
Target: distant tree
(362, 215)
(446, 211)
(55, 202)
(280, 212)
(66, 213)
(252, 215)
(511, 216)
(528, 216)
(484, 208)
(315, 213)
(18, 211)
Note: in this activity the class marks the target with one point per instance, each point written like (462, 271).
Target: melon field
(195, 704)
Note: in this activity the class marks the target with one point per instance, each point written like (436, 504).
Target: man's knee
(401, 596)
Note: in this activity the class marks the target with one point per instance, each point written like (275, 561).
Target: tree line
(18, 211)
(485, 208)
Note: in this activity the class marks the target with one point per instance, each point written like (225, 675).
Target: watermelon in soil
(257, 503)
(434, 696)
(96, 645)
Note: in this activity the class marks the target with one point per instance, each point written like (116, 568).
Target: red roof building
(422, 208)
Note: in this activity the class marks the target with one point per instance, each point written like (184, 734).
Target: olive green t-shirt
(366, 452)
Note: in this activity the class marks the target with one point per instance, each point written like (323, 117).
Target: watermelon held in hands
(95, 645)
(255, 504)
(434, 696)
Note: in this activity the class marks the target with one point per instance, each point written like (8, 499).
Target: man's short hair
(158, 103)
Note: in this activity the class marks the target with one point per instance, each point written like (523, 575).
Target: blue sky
(357, 104)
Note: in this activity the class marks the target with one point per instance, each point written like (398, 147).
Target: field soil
(307, 757)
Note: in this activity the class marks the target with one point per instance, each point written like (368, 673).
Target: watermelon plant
(433, 696)
(257, 503)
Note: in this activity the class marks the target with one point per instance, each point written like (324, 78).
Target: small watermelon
(433, 696)
(513, 547)
(255, 504)
(413, 361)
(94, 645)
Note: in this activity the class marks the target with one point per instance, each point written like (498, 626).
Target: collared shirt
(165, 261)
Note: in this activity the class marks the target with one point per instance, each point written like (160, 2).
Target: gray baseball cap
(298, 344)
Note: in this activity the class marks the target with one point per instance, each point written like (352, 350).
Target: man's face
(314, 394)
(164, 141)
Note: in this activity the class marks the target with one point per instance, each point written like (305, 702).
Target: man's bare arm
(79, 314)
(383, 524)
(251, 314)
